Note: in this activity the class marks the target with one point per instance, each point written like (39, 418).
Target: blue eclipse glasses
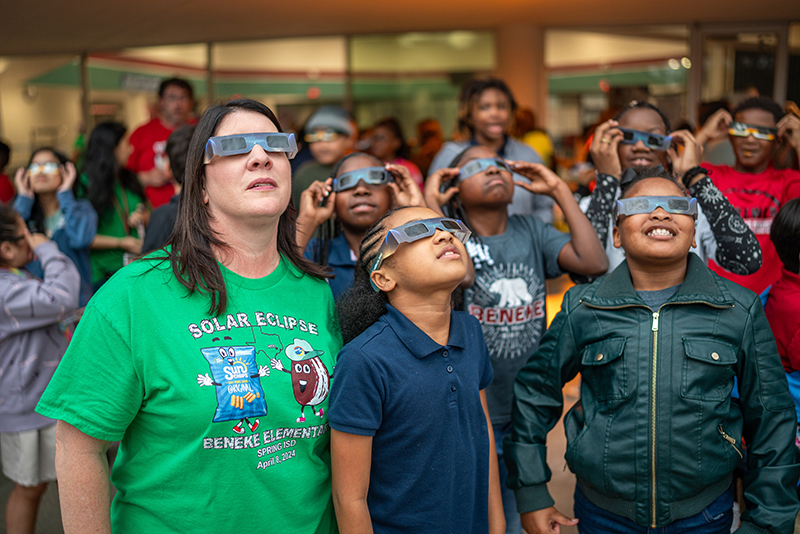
(653, 141)
(370, 175)
(414, 231)
(233, 145)
(635, 205)
(480, 165)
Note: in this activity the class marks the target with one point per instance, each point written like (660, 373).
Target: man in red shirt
(753, 186)
(148, 161)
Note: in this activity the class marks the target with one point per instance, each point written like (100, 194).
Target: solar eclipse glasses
(233, 145)
(740, 129)
(635, 205)
(653, 141)
(479, 165)
(370, 175)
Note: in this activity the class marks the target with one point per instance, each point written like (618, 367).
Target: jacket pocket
(707, 369)
(605, 370)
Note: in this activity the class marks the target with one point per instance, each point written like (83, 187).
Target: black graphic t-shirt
(508, 298)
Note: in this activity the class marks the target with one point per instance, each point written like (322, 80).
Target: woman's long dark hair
(191, 254)
(100, 165)
(36, 220)
(332, 228)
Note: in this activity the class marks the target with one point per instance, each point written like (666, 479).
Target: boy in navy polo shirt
(411, 446)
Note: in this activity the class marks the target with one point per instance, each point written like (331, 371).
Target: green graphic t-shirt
(223, 419)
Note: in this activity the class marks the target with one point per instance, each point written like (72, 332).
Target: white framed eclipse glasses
(635, 205)
(370, 176)
(414, 231)
(233, 145)
(480, 165)
(44, 168)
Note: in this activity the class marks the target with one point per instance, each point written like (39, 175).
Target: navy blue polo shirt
(420, 401)
(340, 259)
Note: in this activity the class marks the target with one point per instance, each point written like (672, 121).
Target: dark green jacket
(656, 435)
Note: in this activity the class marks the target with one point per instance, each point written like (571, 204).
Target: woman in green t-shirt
(210, 360)
(117, 197)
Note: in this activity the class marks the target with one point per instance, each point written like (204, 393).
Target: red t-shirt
(6, 189)
(783, 314)
(148, 142)
(757, 198)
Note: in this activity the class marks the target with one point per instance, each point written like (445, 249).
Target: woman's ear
(383, 281)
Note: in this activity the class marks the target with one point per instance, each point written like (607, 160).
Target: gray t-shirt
(508, 298)
(656, 299)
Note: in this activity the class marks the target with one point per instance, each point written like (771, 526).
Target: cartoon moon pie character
(310, 379)
(236, 378)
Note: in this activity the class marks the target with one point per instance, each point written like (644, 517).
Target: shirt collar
(339, 252)
(418, 342)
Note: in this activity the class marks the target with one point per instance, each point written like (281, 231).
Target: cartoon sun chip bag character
(236, 376)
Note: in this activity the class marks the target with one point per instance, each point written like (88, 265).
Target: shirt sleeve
(80, 220)
(97, 387)
(731, 244)
(551, 242)
(357, 394)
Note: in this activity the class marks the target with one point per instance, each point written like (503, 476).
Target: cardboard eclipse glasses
(233, 145)
(636, 205)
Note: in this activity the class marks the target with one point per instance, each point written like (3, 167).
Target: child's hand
(690, 156)
(434, 198)
(22, 181)
(715, 128)
(34, 240)
(310, 210)
(68, 176)
(789, 129)
(404, 190)
(131, 244)
(139, 217)
(543, 181)
(545, 521)
(604, 148)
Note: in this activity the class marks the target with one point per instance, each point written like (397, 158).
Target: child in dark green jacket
(656, 436)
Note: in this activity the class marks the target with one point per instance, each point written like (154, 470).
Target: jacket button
(453, 387)
(714, 356)
(445, 354)
(599, 357)
(449, 368)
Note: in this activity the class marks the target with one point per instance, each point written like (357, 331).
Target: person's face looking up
(329, 152)
(753, 155)
(659, 236)
(490, 115)
(41, 181)
(491, 187)
(359, 207)
(639, 155)
(247, 187)
(176, 105)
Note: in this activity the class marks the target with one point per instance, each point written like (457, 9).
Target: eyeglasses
(323, 135)
(44, 168)
(232, 145)
(414, 231)
(653, 141)
(370, 175)
(635, 205)
(479, 165)
(740, 129)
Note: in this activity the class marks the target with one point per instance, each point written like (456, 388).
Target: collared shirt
(341, 260)
(420, 402)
